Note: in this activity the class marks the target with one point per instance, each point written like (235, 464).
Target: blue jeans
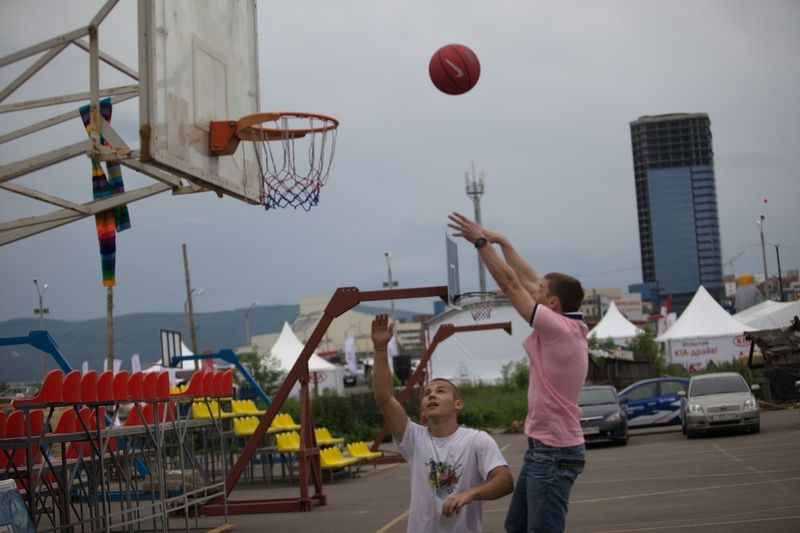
(541, 496)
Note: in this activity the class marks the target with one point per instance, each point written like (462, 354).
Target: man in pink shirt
(558, 356)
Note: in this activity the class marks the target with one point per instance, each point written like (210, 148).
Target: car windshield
(718, 385)
(597, 397)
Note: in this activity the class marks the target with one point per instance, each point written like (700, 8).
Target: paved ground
(660, 481)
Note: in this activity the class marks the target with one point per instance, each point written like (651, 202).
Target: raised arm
(382, 386)
(499, 482)
(527, 275)
(521, 294)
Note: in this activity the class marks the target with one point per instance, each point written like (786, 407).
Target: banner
(696, 354)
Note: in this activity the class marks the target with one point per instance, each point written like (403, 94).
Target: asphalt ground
(659, 481)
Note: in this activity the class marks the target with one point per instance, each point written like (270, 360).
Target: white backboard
(198, 62)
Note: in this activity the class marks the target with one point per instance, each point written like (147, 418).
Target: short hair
(456, 392)
(567, 289)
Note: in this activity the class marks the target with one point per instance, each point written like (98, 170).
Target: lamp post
(391, 284)
(188, 309)
(247, 321)
(760, 222)
(41, 311)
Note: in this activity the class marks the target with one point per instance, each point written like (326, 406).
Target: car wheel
(755, 428)
(683, 427)
(690, 434)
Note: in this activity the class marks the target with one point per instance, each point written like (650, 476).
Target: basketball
(454, 69)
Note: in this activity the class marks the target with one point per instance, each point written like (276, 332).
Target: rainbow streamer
(108, 223)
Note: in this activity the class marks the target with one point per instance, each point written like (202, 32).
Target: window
(647, 390)
(672, 387)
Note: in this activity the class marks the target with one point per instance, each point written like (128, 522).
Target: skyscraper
(676, 197)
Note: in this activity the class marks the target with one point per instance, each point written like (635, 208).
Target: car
(654, 402)
(603, 418)
(17, 393)
(717, 401)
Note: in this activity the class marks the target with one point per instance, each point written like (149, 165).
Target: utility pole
(475, 191)
(247, 321)
(780, 275)
(189, 306)
(41, 311)
(760, 222)
(391, 284)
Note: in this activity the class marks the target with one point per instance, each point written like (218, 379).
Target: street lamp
(247, 321)
(41, 311)
(390, 284)
(188, 310)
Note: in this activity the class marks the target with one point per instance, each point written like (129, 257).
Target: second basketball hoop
(294, 152)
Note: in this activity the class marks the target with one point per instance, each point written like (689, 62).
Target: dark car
(603, 417)
(654, 402)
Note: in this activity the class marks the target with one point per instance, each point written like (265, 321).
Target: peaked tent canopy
(288, 348)
(704, 317)
(614, 325)
(769, 314)
(705, 333)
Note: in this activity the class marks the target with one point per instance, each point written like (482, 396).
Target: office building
(676, 197)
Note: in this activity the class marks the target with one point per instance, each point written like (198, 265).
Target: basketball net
(479, 304)
(294, 157)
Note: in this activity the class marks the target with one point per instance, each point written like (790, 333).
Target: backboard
(198, 62)
(170, 347)
(453, 277)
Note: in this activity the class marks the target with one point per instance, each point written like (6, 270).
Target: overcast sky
(548, 123)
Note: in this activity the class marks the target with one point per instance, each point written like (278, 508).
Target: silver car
(718, 401)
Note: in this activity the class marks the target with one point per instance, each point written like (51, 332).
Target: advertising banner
(696, 354)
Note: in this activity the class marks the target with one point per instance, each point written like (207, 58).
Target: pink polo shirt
(558, 355)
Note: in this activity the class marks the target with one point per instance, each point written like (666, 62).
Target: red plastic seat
(218, 375)
(227, 382)
(134, 418)
(136, 387)
(16, 428)
(105, 387)
(2, 424)
(121, 386)
(208, 382)
(71, 388)
(89, 387)
(68, 422)
(147, 413)
(162, 386)
(50, 393)
(195, 387)
(150, 388)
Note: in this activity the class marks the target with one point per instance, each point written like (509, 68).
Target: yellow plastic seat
(288, 442)
(245, 407)
(285, 421)
(333, 458)
(362, 451)
(324, 437)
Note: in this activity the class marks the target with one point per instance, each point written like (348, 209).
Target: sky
(547, 123)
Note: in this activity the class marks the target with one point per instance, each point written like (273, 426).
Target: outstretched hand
(382, 331)
(454, 503)
(466, 227)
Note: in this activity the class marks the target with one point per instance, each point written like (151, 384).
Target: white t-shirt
(441, 467)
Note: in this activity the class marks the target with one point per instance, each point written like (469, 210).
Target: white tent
(769, 314)
(614, 325)
(288, 348)
(705, 332)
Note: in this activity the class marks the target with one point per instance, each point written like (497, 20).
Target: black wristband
(480, 242)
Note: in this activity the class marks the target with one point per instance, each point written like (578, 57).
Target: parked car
(654, 402)
(716, 401)
(17, 393)
(603, 417)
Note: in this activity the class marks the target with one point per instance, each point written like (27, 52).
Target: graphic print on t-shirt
(443, 477)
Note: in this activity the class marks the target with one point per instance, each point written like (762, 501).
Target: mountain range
(85, 340)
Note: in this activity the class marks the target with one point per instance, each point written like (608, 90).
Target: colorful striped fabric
(107, 222)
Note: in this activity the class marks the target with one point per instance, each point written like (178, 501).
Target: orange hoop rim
(248, 130)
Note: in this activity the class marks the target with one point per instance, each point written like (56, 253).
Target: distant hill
(138, 333)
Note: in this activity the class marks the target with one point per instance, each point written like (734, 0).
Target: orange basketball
(454, 69)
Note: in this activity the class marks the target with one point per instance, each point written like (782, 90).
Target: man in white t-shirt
(453, 468)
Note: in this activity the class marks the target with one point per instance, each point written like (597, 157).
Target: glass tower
(676, 198)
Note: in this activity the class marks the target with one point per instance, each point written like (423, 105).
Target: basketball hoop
(285, 183)
(479, 304)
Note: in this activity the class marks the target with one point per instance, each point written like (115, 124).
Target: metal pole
(475, 191)
(760, 222)
(189, 306)
(391, 283)
(41, 312)
(780, 276)
(110, 327)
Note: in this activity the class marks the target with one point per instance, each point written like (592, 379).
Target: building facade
(676, 200)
